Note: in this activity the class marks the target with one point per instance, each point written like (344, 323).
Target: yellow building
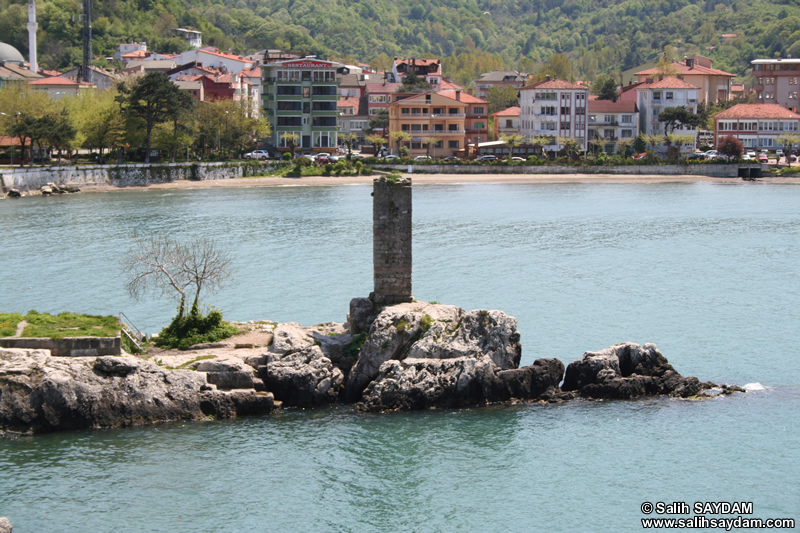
(436, 124)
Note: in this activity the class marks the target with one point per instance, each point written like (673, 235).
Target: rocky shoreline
(402, 357)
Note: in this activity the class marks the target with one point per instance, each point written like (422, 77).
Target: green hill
(600, 36)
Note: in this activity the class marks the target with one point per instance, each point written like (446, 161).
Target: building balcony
(600, 124)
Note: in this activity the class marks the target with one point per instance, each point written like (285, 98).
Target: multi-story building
(300, 97)
(353, 117)
(612, 121)
(758, 126)
(654, 96)
(499, 79)
(777, 82)
(437, 124)
(429, 69)
(713, 85)
(477, 119)
(379, 96)
(506, 122)
(554, 109)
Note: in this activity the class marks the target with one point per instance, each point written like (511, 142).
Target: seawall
(134, 175)
(66, 347)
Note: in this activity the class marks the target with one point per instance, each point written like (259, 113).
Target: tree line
(146, 113)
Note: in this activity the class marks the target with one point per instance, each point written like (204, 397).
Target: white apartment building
(554, 108)
(613, 121)
(653, 97)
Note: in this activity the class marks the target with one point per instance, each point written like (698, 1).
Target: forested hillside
(599, 36)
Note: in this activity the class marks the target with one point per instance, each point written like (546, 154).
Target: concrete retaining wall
(68, 346)
(710, 170)
(138, 175)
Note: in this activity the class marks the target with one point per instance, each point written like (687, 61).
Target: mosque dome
(10, 54)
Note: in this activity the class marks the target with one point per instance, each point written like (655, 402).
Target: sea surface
(706, 271)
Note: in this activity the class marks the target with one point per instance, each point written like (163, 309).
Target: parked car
(261, 155)
(451, 159)
(778, 154)
(422, 158)
(762, 158)
(747, 157)
(711, 154)
(487, 157)
(391, 157)
(322, 158)
(696, 156)
(516, 158)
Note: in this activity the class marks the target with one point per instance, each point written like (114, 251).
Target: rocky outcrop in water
(411, 356)
(5, 525)
(41, 393)
(626, 371)
(458, 382)
(431, 331)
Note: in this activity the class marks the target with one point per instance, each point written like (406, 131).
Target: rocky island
(393, 353)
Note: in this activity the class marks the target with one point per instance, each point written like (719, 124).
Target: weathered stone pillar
(391, 240)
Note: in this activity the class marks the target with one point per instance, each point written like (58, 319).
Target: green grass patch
(70, 325)
(8, 324)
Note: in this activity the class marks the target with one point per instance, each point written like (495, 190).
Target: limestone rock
(290, 337)
(41, 393)
(431, 331)
(362, 313)
(537, 381)
(5, 525)
(15, 193)
(628, 370)
(304, 379)
(227, 373)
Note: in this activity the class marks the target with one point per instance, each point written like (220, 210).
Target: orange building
(436, 123)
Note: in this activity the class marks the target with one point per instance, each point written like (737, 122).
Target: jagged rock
(5, 525)
(534, 381)
(362, 314)
(46, 190)
(335, 348)
(431, 331)
(55, 189)
(227, 373)
(14, 193)
(304, 379)
(628, 371)
(40, 393)
(290, 337)
(457, 382)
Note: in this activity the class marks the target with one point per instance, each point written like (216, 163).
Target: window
(627, 119)
(306, 75)
(377, 98)
(669, 95)
(626, 134)
(509, 123)
(438, 111)
(405, 111)
(416, 128)
(453, 144)
(609, 119)
(657, 96)
(477, 110)
(479, 125)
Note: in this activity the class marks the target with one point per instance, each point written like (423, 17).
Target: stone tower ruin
(391, 240)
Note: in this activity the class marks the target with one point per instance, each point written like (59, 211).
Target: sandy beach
(325, 181)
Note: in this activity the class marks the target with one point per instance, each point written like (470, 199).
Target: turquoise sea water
(706, 271)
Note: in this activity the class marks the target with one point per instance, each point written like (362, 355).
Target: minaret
(32, 26)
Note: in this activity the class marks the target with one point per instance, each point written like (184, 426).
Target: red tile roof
(669, 82)
(55, 80)
(381, 88)
(757, 111)
(350, 101)
(512, 111)
(463, 97)
(685, 70)
(552, 84)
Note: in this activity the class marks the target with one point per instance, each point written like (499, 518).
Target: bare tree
(165, 266)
